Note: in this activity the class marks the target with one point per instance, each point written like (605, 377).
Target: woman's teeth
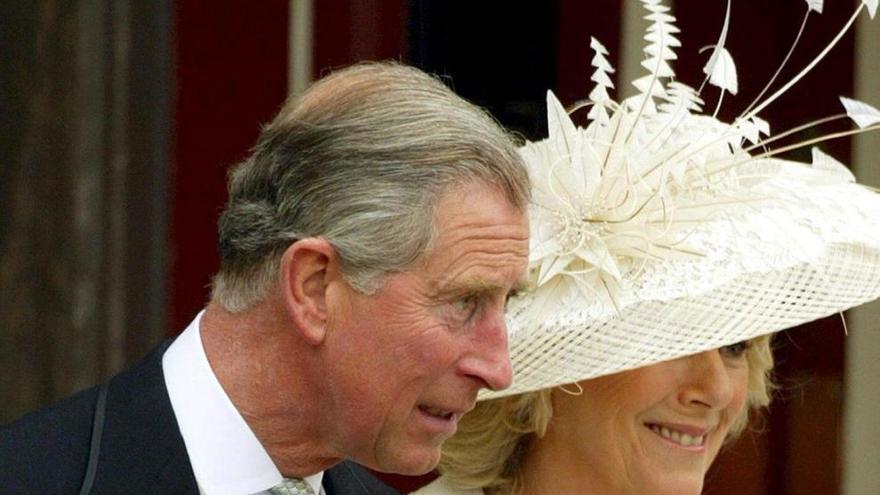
(678, 437)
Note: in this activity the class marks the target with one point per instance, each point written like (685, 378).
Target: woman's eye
(735, 350)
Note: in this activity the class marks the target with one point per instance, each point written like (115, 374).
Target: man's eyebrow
(481, 285)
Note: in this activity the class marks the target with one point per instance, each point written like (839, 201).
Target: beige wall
(300, 46)
(632, 28)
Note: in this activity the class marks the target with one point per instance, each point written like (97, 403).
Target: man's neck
(255, 355)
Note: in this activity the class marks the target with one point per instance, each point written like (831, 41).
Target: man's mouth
(438, 413)
(685, 439)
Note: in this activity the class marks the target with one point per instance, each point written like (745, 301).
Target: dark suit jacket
(141, 450)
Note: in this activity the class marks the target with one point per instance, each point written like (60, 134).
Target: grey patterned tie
(292, 486)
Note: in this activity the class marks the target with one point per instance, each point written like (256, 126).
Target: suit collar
(348, 478)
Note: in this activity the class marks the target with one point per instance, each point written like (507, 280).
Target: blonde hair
(488, 449)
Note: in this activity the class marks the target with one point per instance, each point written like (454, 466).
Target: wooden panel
(231, 78)
(742, 467)
(812, 416)
(352, 31)
(82, 230)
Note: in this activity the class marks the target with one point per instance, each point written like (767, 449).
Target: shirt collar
(225, 455)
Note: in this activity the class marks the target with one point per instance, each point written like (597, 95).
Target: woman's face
(653, 430)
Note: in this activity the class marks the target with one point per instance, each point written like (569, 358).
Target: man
(367, 250)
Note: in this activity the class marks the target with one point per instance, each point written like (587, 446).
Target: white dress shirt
(226, 457)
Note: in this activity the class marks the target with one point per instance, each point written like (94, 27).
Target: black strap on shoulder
(95, 444)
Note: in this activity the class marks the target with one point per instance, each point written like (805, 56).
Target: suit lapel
(142, 449)
(348, 478)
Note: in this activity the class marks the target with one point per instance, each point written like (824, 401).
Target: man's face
(410, 359)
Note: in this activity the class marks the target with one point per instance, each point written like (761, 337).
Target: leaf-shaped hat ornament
(659, 231)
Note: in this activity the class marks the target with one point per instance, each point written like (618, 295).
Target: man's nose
(489, 360)
(706, 382)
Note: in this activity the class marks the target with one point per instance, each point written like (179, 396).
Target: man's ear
(307, 268)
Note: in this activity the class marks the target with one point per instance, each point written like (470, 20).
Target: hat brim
(812, 252)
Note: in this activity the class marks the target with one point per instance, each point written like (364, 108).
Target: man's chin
(409, 462)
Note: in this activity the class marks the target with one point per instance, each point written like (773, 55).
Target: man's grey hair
(360, 160)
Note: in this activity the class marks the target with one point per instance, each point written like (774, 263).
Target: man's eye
(466, 306)
(735, 350)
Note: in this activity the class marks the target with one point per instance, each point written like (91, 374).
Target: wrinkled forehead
(481, 239)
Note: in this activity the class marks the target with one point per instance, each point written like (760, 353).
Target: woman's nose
(706, 381)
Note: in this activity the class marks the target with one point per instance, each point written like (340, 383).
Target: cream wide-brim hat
(763, 269)
(658, 232)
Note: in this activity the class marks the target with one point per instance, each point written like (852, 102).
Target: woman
(654, 429)
(667, 246)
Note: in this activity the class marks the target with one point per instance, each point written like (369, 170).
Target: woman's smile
(692, 438)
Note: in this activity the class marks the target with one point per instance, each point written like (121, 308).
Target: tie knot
(292, 486)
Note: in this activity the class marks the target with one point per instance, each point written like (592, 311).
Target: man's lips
(444, 412)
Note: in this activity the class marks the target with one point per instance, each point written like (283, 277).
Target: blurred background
(119, 119)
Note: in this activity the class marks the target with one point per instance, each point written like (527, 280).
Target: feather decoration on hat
(599, 96)
(720, 70)
(629, 189)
